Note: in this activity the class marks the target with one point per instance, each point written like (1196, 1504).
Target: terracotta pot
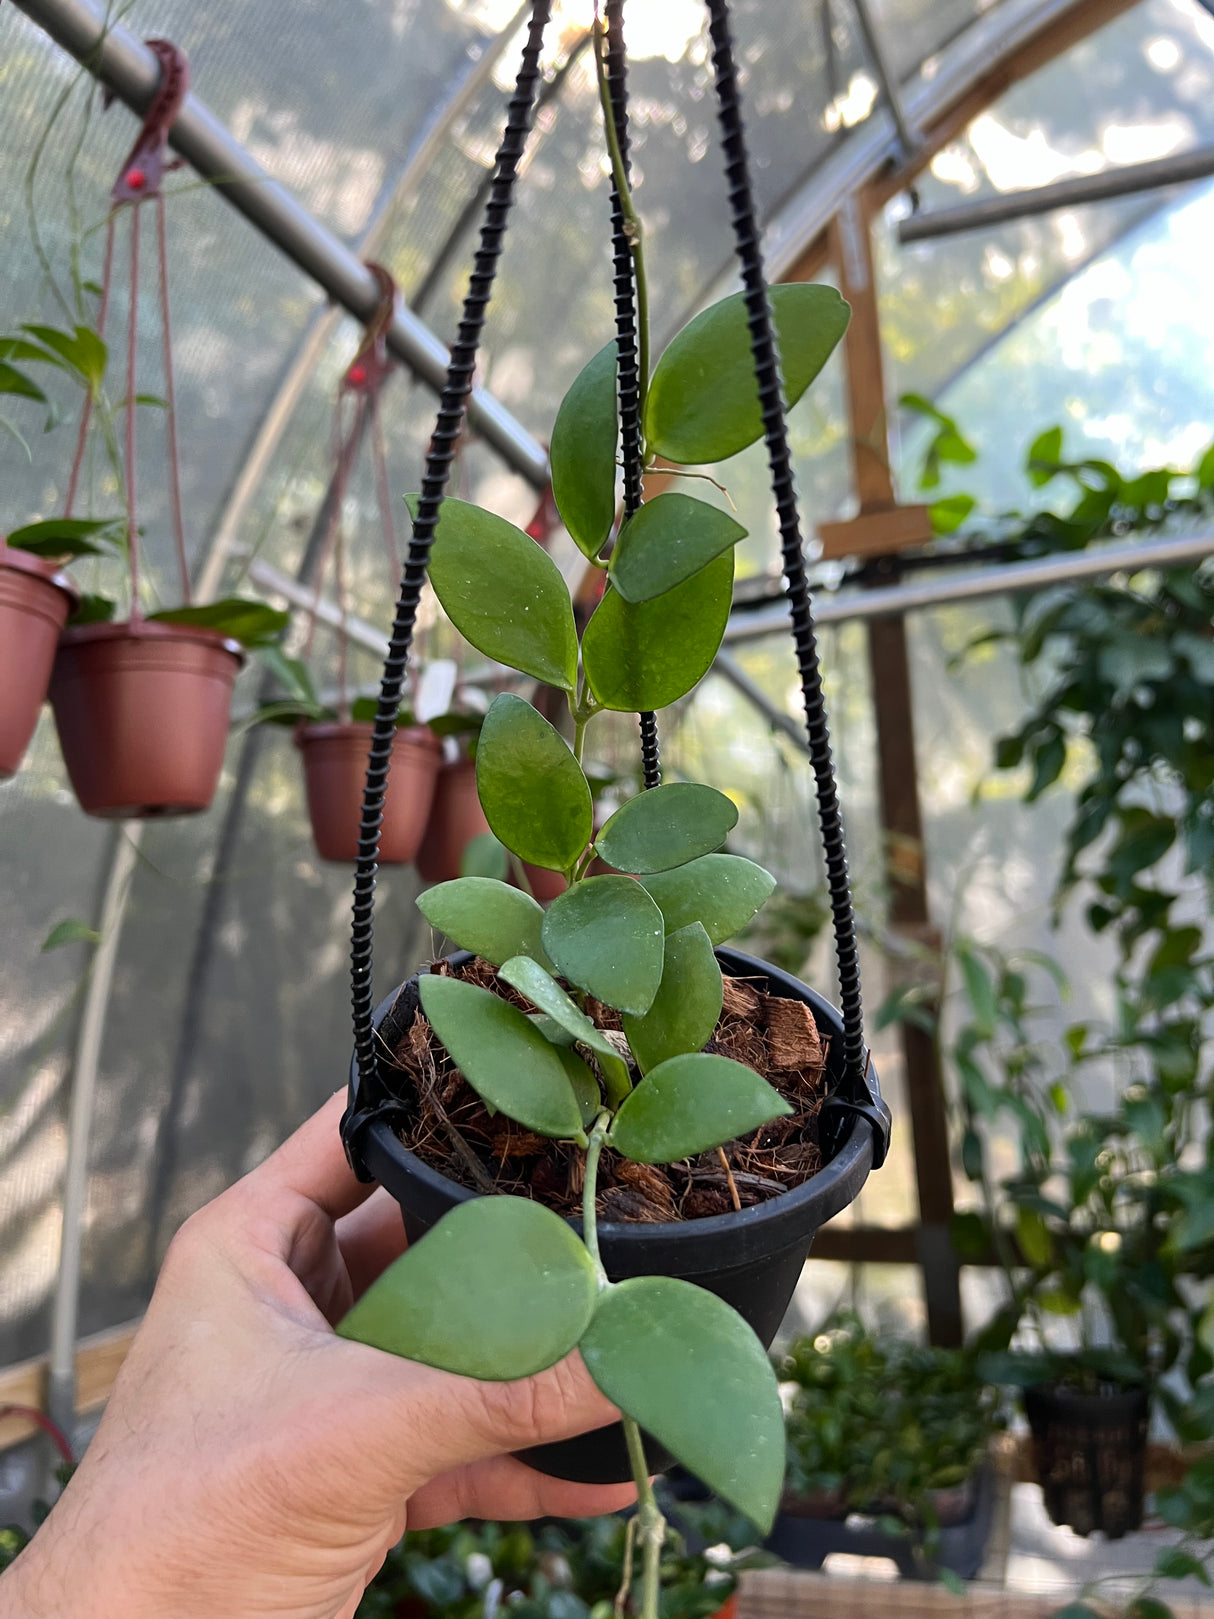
(545, 885)
(35, 599)
(335, 770)
(142, 711)
(456, 817)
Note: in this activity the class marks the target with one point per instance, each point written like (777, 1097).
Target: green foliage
(557, 1570)
(487, 917)
(883, 1424)
(582, 453)
(648, 656)
(669, 1354)
(503, 1056)
(703, 400)
(500, 1289)
(503, 593)
(542, 990)
(252, 623)
(948, 443)
(531, 788)
(687, 1005)
(70, 931)
(666, 827)
(70, 537)
(671, 538)
(690, 1103)
(720, 891)
(605, 935)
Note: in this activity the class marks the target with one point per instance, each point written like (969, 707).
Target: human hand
(250, 1462)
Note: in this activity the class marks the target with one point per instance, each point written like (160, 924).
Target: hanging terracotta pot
(456, 817)
(335, 770)
(142, 711)
(35, 599)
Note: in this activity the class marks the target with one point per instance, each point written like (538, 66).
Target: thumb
(452, 1421)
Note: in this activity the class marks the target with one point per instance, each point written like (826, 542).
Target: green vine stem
(650, 1524)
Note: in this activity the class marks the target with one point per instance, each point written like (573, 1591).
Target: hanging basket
(1090, 1453)
(751, 1258)
(142, 711)
(335, 769)
(35, 600)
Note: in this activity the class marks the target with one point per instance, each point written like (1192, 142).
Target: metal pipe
(269, 578)
(885, 74)
(727, 666)
(1084, 188)
(1010, 580)
(61, 1366)
(128, 69)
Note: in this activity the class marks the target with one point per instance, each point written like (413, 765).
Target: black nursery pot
(1090, 1451)
(751, 1258)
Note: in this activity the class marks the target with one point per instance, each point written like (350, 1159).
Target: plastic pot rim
(824, 1194)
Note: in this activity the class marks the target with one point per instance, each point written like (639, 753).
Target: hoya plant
(502, 1287)
(586, 1023)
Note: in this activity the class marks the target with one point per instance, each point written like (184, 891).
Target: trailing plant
(502, 1287)
(561, 1570)
(883, 1426)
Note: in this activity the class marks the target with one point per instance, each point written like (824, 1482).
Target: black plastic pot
(806, 1541)
(1090, 1451)
(752, 1258)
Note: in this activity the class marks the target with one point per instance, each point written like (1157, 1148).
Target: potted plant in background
(560, 1570)
(142, 705)
(595, 1056)
(897, 1432)
(36, 595)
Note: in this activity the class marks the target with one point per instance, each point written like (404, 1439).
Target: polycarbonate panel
(228, 1019)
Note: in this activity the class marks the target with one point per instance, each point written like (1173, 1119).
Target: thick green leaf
(605, 936)
(703, 400)
(666, 827)
(13, 381)
(484, 856)
(83, 350)
(93, 609)
(485, 916)
(531, 788)
(648, 656)
(722, 891)
(251, 623)
(66, 536)
(683, 1364)
(499, 1289)
(582, 453)
(671, 538)
(502, 1055)
(503, 593)
(687, 1005)
(585, 1086)
(544, 993)
(690, 1103)
(70, 931)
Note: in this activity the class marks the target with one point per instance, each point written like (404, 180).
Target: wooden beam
(877, 533)
(98, 1360)
(901, 821)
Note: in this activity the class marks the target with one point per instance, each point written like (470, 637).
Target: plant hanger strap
(368, 1096)
(140, 180)
(629, 380)
(857, 1094)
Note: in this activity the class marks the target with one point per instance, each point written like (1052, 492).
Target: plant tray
(807, 1542)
